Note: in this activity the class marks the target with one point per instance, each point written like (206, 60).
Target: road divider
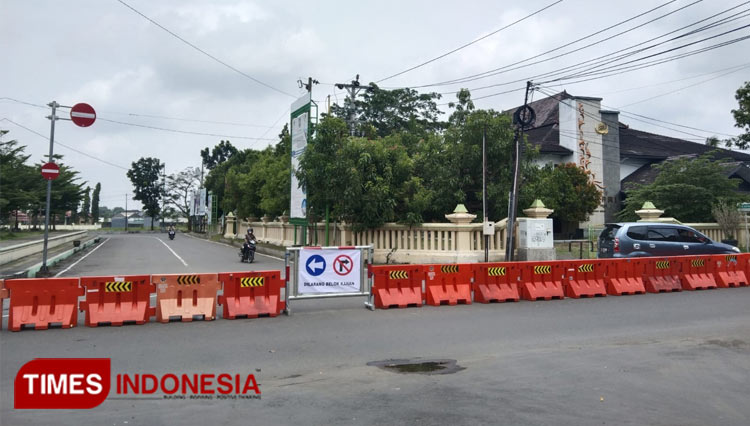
(496, 282)
(115, 300)
(43, 302)
(542, 280)
(730, 272)
(251, 294)
(398, 286)
(623, 278)
(584, 278)
(697, 273)
(448, 284)
(186, 296)
(660, 275)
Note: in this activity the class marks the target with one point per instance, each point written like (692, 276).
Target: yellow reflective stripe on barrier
(542, 269)
(118, 286)
(697, 263)
(188, 279)
(396, 275)
(449, 269)
(662, 264)
(496, 271)
(251, 282)
(731, 258)
(586, 268)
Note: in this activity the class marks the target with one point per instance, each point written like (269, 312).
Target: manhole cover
(418, 366)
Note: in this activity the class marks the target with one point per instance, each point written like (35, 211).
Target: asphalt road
(664, 359)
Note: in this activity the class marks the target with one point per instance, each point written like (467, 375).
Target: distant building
(575, 129)
(135, 218)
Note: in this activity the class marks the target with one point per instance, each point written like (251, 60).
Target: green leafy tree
(86, 205)
(391, 111)
(95, 203)
(179, 195)
(219, 154)
(21, 186)
(685, 188)
(567, 189)
(67, 191)
(145, 175)
(365, 182)
(742, 116)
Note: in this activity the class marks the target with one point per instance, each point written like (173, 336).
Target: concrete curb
(32, 271)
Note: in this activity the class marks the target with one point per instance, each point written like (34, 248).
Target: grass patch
(14, 235)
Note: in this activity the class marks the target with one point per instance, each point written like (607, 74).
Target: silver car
(639, 239)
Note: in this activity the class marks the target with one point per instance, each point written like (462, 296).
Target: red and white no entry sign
(50, 171)
(83, 115)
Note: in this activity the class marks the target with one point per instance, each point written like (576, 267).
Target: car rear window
(637, 232)
(608, 233)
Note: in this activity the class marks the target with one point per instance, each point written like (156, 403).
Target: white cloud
(205, 18)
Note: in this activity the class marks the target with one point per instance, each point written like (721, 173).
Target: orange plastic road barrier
(730, 270)
(116, 300)
(660, 274)
(186, 296)
(496, 282)
(397, 286)
(542, 280)
(448, 284)
(696, 272)
(43, 301)
(584, 278)
(251, 294)
(622, 278)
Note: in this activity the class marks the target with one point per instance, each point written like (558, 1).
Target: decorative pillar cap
(649, 212)
(460, 215)
(537, 210)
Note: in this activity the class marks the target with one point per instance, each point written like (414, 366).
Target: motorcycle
(171, 234)
(247, 252)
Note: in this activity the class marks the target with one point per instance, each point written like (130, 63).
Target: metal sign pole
(44, 270)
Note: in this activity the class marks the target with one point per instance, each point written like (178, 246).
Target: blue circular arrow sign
(315, 265)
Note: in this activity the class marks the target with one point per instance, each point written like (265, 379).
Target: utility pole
(308, 86)
(484, 194)
(353, 89)
(126, 212)
(523, 117)
(163, 194)
(44, 270)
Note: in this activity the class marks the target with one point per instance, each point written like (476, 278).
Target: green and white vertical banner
(300, 125)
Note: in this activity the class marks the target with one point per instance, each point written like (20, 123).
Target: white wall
(630, 165)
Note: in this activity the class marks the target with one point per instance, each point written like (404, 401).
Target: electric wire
(512, 66)
(64, 145)
(164, 129)
(608, 58)
(471, 42)
(173, 34)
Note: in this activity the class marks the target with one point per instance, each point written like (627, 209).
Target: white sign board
(329, 271)
(300, 123)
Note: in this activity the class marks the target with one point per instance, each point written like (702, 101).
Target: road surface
(656, 359)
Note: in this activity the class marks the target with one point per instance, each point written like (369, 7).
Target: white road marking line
(227, 245)
(81, 259)
(170, 249)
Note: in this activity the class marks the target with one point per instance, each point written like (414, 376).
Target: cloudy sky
(156, 96)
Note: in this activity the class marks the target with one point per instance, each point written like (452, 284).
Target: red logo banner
(62, 383)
